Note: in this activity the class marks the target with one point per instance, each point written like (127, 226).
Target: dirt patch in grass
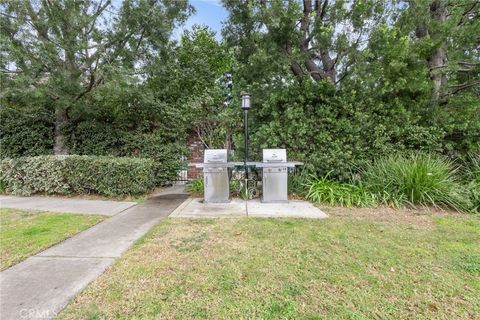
(415, 218)
(349, 266)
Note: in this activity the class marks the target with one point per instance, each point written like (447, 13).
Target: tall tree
(449, 31)
(316, 38)
(192, 82)
(61, 48)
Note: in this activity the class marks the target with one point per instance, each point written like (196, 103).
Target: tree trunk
(61, 121)
(327, 71)
(315, 72)
(438, 61)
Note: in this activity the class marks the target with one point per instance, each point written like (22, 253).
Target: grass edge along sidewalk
(27, 232)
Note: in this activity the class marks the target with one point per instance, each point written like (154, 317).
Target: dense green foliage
(328, 130)
(25, 131)
(389, 92)
(337, 84)
(110, 176)
(297, 185)
(83, 90)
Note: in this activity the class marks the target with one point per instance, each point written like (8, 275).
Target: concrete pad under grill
(291, 209)
(196, 208)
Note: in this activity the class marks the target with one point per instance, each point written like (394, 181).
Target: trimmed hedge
(111, 176)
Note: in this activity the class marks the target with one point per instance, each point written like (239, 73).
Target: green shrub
(195, 186)
(415, 179)
(93, 138)
(26, 130)
(325, 128)
(27, 175)
(77, 174)
(166, 155)
(109, 175)
(331, 192)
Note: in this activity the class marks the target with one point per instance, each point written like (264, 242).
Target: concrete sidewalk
(39, 287)
(57, 204)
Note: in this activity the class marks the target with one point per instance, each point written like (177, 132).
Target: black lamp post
(245, 107)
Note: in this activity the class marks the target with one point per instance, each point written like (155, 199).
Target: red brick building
(195, 148)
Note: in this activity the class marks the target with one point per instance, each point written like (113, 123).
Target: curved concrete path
(40, 286)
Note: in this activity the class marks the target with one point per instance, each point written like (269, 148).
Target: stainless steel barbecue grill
(215, 176)
(275, 175)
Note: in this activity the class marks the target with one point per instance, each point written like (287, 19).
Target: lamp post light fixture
(245, 107)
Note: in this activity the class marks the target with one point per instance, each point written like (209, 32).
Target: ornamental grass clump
(332, 192)
(415, 179)
(472, 178)
(196, 186)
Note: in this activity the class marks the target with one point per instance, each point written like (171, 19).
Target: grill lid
(274, 155)
(215, 156)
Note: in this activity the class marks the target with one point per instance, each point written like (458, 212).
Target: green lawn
(24, 233)
(358, 264)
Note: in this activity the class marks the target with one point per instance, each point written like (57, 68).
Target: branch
(10, 71)
(98, 12)
(466, 13)
(463, 86)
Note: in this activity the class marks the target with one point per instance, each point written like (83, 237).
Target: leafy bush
(25, 130)
(326, 129)
(93, 138)
(415, 179)
(109, 175)
(195, 186)
(27, 175)
(331, 192)
(77, 174)
(166, 155)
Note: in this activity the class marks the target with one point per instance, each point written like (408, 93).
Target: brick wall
(196, 147)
